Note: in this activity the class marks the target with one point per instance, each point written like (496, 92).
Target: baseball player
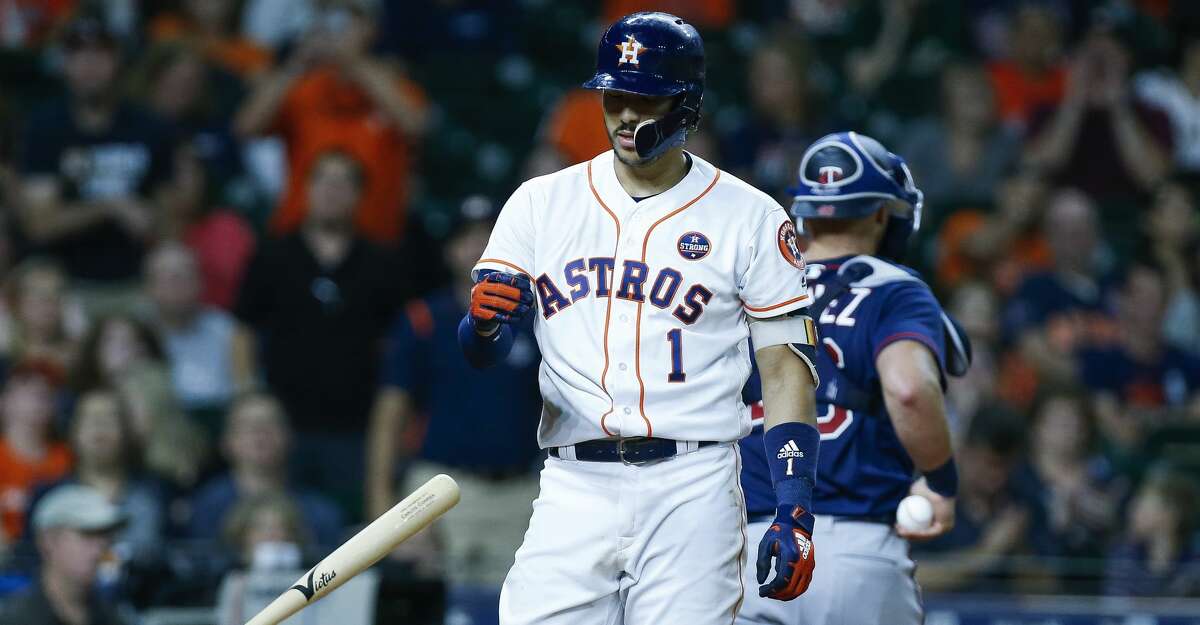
(647, 270)
(885, 348)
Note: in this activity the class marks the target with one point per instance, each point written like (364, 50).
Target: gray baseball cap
(77, 507)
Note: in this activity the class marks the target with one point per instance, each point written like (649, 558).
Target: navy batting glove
(789, 541)
(792, 456)
(500, 298)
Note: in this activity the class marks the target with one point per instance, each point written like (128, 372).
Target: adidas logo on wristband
(790, 450)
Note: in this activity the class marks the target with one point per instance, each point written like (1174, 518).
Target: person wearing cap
(428, 387)
(321, 300)
(331, 93)
(93, 170)
(74, 525)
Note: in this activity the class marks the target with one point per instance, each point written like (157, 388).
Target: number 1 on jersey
(675, 338)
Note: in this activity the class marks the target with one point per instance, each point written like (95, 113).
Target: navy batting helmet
(654, 54)
(847, 175)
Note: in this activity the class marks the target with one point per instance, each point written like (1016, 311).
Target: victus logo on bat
(314, 583)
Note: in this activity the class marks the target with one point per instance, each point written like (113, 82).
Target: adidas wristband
(483, 351)
(792, 455)
(944, 479)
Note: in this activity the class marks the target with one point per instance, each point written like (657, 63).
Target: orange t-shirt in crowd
(18, 476)
(576, 127)
(1018, 95)
(700, 13)
(1028, 253)
(238, 55)
(323, 112)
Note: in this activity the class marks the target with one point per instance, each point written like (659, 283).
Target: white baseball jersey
(641, 305)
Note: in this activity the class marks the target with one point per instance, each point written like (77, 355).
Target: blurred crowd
(235, 237)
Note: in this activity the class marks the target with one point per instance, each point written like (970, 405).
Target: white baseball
(915, 513)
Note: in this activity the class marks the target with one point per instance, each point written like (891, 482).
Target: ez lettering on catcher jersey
(642, 305)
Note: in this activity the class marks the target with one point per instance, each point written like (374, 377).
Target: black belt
(886, 519)
(638, 450)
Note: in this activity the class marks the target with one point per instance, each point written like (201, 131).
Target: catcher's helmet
(654, 54)
(847, 175)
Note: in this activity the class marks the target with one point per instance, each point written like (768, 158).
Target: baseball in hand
(915, 513)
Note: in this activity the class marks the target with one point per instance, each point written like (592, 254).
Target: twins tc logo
(694, 246)
(630, 49)
(829, 174)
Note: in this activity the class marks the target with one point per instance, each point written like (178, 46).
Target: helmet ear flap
(652, 138)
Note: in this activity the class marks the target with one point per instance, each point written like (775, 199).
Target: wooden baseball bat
(365, 548)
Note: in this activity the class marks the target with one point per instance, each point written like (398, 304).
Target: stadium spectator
(423, 382)
(122, 353)
(321, 300)
(1158, 556)
(1000, 246)
(764, 147)
(114, 346)
(210, 355)
(108, 459)
(221, 240)
(1140, 379)
(175, 447)
(991, 523)
(961, 154)
(256, 444)
(74, 526)
(175, 82)
(1054, 312)
(94, 171)
(1177, 93)
(1070, 486)
(212, 25)
(1099, 138)
(266, 532)
(977, 308)
(330, 94)
(43, 324)
(896, 54)
(1174, 242)
(28, 452)
(1033, 76)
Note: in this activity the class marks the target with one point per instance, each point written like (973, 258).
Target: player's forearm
(919, 417)
(787, 387)
(255, 116)
(1052, 147)
(46, 218)
(380, 84)
(912, 392)
(1139, 152)
(387, 421)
